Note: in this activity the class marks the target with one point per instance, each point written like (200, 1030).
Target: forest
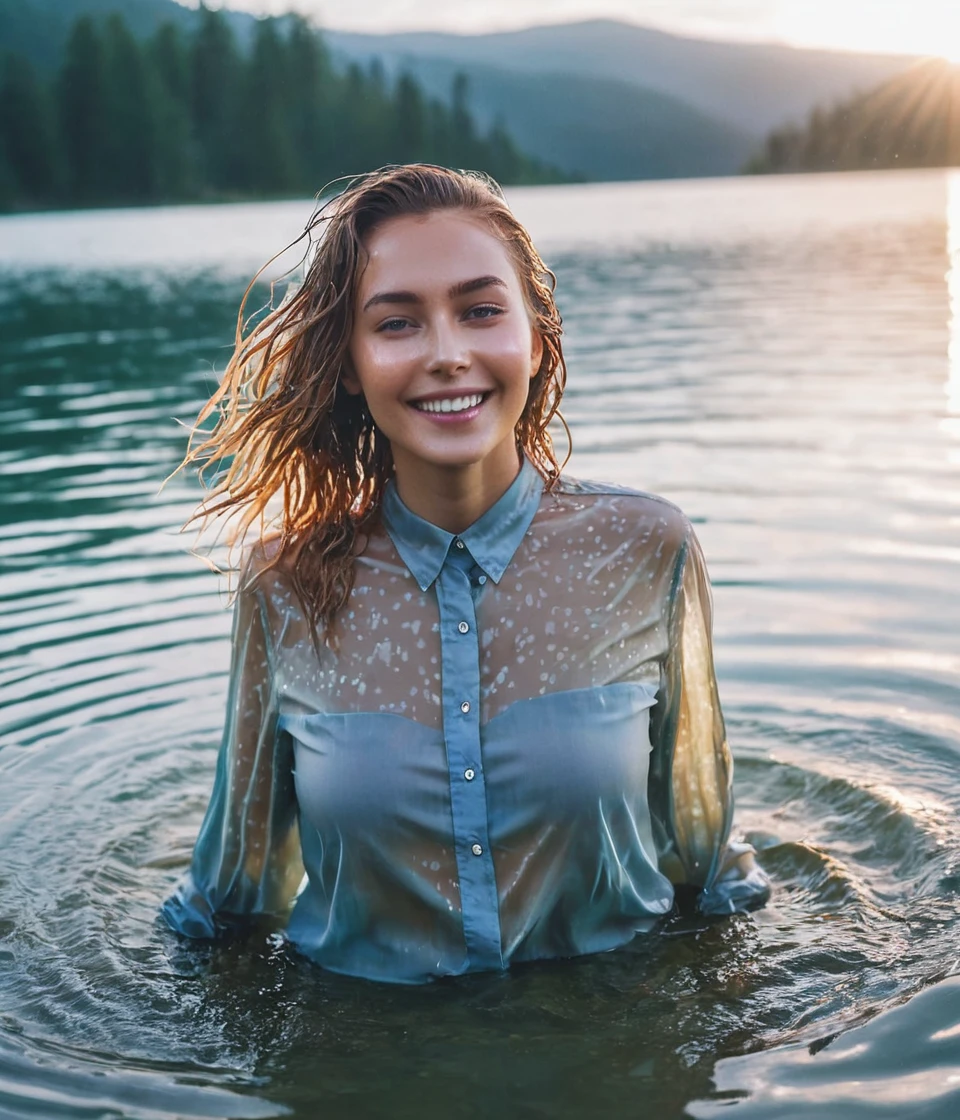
(912, 120)
(191, 116)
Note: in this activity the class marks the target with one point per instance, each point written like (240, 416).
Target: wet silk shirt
(515, 751)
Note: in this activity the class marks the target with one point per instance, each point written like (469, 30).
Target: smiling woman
(448, 378)
(471, 698)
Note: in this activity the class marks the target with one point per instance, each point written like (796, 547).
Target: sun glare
(924, 27)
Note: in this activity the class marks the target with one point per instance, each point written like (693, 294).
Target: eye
(485, 311)
(392, 326)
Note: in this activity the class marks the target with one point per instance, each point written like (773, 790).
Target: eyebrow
(461, 289)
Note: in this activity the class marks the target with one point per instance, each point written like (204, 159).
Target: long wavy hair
(291, 451)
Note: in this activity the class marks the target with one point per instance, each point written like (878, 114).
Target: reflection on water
(903, 1063)
(769, 354)
(953, 288)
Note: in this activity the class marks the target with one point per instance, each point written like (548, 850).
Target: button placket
(460, 695)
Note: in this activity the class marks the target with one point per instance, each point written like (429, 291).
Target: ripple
(783, 381)
(906, 1059)
(55, 1082)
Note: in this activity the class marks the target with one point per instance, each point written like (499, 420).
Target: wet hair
(291, 451)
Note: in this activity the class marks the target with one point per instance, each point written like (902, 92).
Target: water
(780, 357)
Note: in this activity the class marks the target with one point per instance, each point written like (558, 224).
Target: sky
(900, 26)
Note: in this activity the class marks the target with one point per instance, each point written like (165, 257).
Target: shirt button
(463, 627)
(470, 774)
(465, 707)
(477, 850)
(459, 543)
(481, 580)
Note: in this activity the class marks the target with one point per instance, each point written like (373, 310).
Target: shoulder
(260, 561)
(266, 578)
(626, 510)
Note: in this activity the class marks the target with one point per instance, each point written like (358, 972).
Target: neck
(454, 497)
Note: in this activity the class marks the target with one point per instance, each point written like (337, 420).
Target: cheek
(379, 367)
(517, 361)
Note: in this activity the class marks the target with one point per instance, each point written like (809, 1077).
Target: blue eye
(491, 310)
(392, 325)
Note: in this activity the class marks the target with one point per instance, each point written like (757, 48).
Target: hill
(753, 86)
(597, 128)
(913, 120)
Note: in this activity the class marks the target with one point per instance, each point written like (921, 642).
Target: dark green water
(782, 358)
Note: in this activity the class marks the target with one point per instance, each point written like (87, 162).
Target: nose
(448, 354)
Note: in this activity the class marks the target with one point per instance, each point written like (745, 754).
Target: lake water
(782, 358)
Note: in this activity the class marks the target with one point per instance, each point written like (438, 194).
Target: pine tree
(215, 80)
(266, 152)
(27, 133)
(410, 129)
(177, 159)
(311, 92)
(503, 159)
(356, 146)
(10, 190)
(82, 113)
(463, 133)
(439, 133)
(132, 116)
(377, 116)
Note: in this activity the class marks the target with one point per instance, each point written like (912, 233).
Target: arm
(247, 856)
(691, 776)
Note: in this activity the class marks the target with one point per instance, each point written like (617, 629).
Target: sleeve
(247, 856)
(691, 774)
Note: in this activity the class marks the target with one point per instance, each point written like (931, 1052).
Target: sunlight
(924, 27)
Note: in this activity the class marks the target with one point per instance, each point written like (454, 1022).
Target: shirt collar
(492, 539)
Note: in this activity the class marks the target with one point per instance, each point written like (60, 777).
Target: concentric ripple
(770, 355)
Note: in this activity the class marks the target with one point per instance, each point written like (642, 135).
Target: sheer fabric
(515, 751)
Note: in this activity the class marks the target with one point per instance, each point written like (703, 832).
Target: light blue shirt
(513, 751)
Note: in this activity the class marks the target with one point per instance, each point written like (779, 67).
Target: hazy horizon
(850, 26)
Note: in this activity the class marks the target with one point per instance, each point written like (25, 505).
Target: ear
(536, 353)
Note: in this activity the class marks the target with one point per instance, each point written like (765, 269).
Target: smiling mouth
(451, 404)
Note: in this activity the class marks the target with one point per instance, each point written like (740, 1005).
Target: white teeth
(451, 404)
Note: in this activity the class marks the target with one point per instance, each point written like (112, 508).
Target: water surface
(781, 357)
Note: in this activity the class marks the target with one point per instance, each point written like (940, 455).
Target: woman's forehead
(434, 250)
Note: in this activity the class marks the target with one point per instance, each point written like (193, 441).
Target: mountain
(754, 87)
(597, 128)
(601, 98)
(913, 120)
(38, 29)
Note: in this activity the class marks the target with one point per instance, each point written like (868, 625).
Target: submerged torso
(471, 764)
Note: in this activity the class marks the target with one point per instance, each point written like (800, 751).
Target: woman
(449, 661)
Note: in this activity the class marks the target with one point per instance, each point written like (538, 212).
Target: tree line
(181, 117)
(913, 120)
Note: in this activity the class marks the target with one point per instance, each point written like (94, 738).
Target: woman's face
(443, 348)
